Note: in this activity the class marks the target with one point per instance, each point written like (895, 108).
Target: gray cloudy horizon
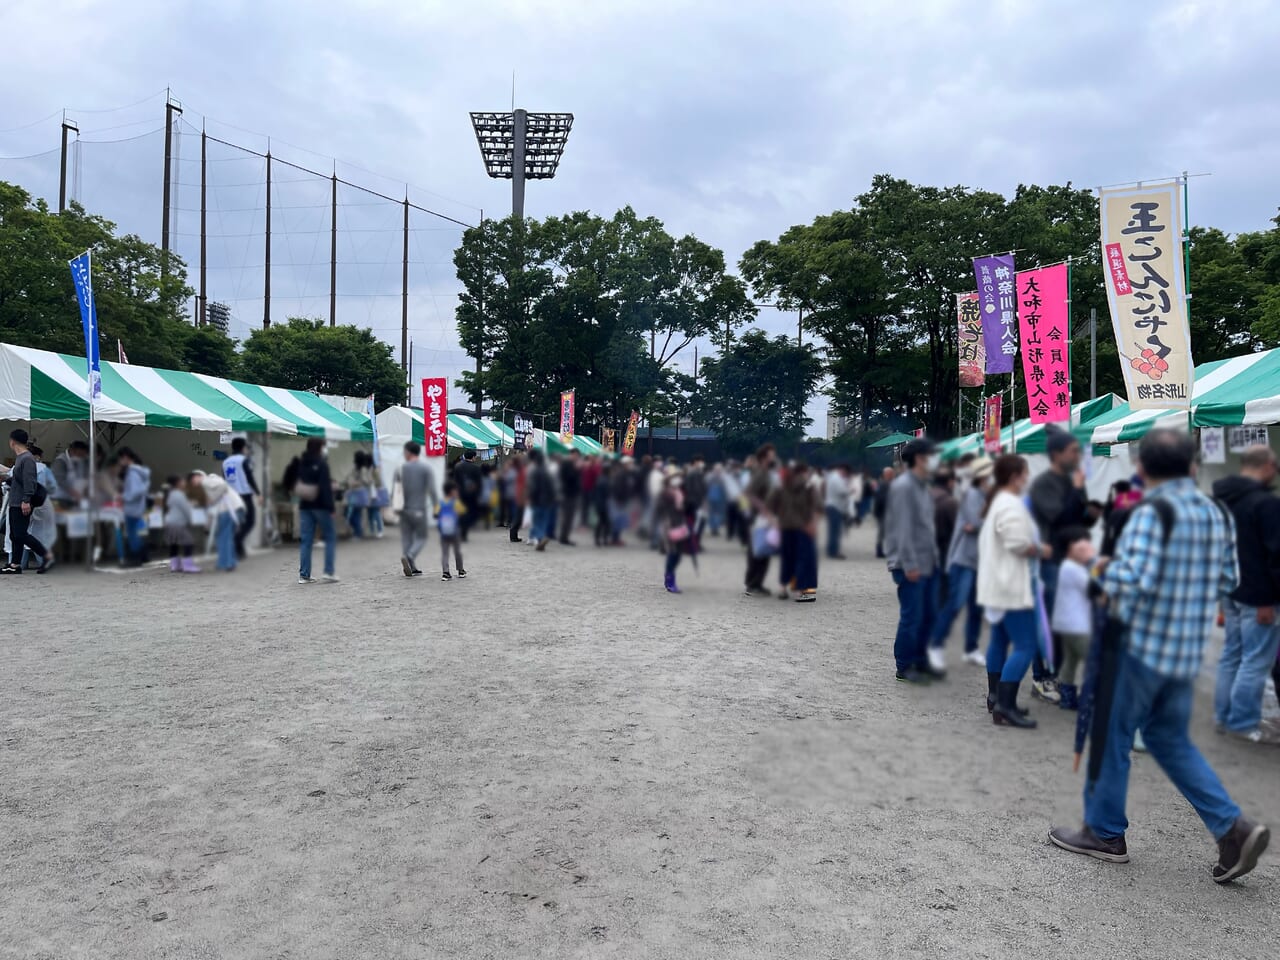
(731, 121)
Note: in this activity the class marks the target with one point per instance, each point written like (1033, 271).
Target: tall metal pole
(203, 314)
(67, 126)
(520, 121)
(404, 291)
(408, 394)
(333, 254)
(266, 286)
(480, 303)
(1093, 353)
(169, 110)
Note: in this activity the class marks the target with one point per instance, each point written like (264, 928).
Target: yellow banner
(1142, 260)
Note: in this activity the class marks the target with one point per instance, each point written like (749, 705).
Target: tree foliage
(603, 306)
(306, 354)
(136, 304)
(756, 391)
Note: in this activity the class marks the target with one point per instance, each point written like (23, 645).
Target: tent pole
(93, 480)
(263, 539)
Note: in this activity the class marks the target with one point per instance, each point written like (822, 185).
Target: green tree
(599, 305)
(208, 350)
(136, 305)
(307, 354)
(756, 391)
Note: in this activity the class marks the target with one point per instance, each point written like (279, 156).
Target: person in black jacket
(466, 474)
(309, 479)
(22, 497)
(1253, 633)
(570, 491)
(541, 493)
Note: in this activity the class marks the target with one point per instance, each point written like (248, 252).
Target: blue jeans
(311, 519)
(135, 532)
(915, 618)
(355, 520)
(225, 538)
(798, 564)
(1019, 629)
(835, 531)
(542, 524)
(962, 589)
(1247, 659)
(1161, 708)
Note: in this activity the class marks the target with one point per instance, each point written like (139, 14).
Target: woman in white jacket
(1008, 548)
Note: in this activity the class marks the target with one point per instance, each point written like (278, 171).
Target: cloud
(732, 121)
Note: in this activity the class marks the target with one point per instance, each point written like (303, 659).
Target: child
(449, 523)
(1073, 612)
(225, 511)
(177, 526)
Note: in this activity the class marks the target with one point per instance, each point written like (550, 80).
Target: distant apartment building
(836, 426)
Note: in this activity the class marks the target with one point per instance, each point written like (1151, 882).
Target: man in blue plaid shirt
(1165, 584)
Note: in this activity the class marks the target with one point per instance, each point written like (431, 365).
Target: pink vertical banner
(1045, 332)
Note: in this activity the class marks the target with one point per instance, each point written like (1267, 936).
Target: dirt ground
(554, 758)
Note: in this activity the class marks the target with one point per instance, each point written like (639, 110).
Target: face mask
(932, 462)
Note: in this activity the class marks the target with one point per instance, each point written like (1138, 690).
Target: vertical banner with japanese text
(82, 277)
(435, 416)
(1146, 290)
(991, 423)
(522, 427)
(973, 349)
(996, 298)
(566, 418)
(610, 441)
(1044, 329)
(629, 437)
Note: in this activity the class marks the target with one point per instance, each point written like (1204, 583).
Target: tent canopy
(892, 440)
(406, 423)
(1030, 437)
(39, 385)
(1239, 391)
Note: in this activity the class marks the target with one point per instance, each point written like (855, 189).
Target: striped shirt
(1168, 595)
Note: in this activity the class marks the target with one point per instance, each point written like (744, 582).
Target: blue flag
(82, 276)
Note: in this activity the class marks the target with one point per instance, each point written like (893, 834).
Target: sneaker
(938, 659)
(1239, 850)
(416, 572)
(807, 596)
(407, 566)
(445, 577)
(306, 580)
(462, 574)
(331, 578)
(1046, 690)
(1256, 735)
(542, 546)
(976, 657)
(48, 564)
(1139, 745)
(913, 676)
(1087, 842)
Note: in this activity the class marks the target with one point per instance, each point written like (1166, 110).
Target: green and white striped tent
(1030, 437)
(398, 425)
(1239, 391)
(42, 386)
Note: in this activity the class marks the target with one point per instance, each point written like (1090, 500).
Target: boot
(175, 565)
(1007, 712)
(993, 686)
(1070, 696)
(670, 583)
(189, 565)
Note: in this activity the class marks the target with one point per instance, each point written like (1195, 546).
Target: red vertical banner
(435, 415)
(1045, 331)
(629, 437)
(566, 418)
(991, 423)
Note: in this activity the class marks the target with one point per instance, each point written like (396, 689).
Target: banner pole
(93, 482)
(1186, 276)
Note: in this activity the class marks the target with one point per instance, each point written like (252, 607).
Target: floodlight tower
(519, 146)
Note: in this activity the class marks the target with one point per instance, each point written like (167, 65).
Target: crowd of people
(1117, 633)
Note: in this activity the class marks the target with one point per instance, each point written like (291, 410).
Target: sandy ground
(554, 758)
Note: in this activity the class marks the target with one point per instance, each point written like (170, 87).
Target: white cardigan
(1004, 573)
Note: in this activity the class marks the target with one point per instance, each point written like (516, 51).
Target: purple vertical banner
(998, 299)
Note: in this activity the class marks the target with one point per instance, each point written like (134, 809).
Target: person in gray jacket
(22, 497)
(135, 493)
(417, 486)
(962, 573)
(910, 545)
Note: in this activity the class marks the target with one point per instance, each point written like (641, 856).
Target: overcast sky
(730, 120)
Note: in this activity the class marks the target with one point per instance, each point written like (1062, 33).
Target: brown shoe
(1239, 850)
(1087, 842)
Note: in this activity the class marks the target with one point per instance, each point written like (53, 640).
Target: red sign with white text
(991, 423)
(435, 416)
